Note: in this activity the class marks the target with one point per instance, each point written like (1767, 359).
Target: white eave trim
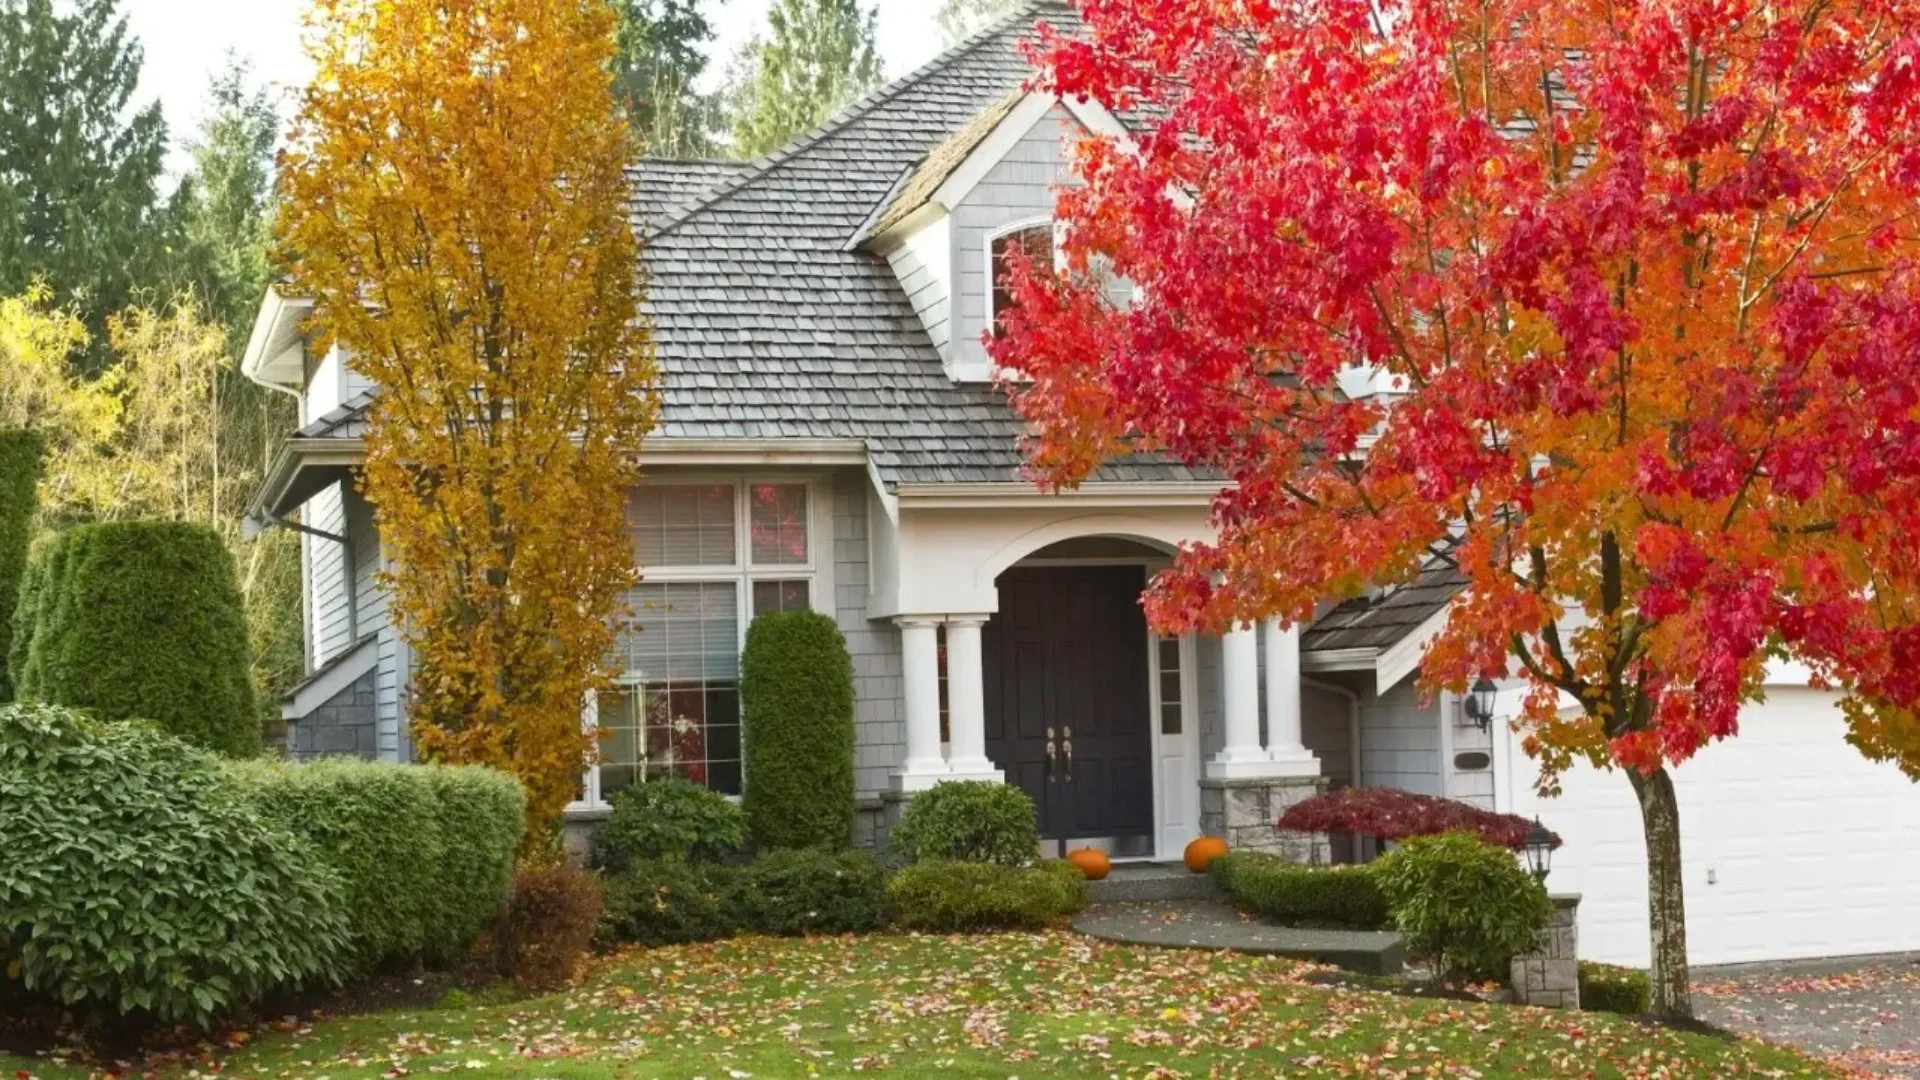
(275, 349)
(1356, 659)
(752, 452)
(1111, 494)
(1403, 657)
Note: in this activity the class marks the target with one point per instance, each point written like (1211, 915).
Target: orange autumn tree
(1638, 280)
(454, 201)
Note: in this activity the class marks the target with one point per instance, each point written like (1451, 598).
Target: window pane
(1036, 242)
(777, 520)
(617, 713)
(683, 525)
(771, 596)
(1168, 654)
(684, 646)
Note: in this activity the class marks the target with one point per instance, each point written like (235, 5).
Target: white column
(920, 674)
(1284, 744)
(966, 701)
(1242, 756)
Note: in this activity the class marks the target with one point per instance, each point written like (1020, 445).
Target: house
(831, 439)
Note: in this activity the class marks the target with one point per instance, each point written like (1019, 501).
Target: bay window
(712, 556)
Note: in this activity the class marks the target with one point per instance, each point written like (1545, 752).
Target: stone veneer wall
(1243, 812)
(1550, 975)
(344, 726)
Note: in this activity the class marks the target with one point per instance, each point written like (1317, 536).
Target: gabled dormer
(951, 221)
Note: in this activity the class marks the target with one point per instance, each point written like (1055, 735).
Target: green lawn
(1022, 1005)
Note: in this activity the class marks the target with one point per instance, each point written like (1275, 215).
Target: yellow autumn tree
(454, 202)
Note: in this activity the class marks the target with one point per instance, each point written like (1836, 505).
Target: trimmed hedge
(945, 896)
(796, 702)
(21, 458)
(669, 818)
(1345, 897)
(1606, 988)
(1463, 903)
(968, 821)
(667, 902)
(426, 851)
(141, 620)
(139, 885)
(790, 893)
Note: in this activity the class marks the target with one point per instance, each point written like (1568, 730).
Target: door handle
(1051, 755)
(1066, 747)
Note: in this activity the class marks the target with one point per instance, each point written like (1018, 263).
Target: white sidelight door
(1176, 728)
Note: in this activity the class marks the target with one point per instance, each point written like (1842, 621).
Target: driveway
(1863, 1012)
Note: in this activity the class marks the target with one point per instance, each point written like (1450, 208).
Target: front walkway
(1211, 924)
(1863, 1012)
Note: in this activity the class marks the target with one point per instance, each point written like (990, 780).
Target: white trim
(1165, 842)
(1323, 660)
(1403, 657)
(346, 669)
(278, 316)
(1120, 494)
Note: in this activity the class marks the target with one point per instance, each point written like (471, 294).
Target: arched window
(1035, 239)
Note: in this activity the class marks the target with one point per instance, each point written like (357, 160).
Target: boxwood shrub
(668, 902)
(141, 620)
(1606, 988)
(21, 454)
(796, 702)
(944, 896)
(139, 884)
(1345, 897)
(1463, 903)
(810, 892)
(669, 818)
(968, 821)
(426, 851)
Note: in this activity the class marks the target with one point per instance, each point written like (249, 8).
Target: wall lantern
(1479, 703)
(1539, 851)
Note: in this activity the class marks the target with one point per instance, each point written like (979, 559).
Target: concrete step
(1137, 882)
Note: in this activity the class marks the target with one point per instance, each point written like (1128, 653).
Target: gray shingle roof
(1363, 623)
(768, 327)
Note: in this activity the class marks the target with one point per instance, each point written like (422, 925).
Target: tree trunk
(1666, 896)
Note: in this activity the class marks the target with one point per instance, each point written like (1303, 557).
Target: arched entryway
(1083, 702)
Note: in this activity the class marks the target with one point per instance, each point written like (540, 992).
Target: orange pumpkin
(1094, 864)
(1202, 852)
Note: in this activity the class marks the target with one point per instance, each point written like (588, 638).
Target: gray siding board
(332, 626)
(1400, 740)
(878, 708)
(1326, 727)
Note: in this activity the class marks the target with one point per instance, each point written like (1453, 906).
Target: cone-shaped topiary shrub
(140, 620)
(21, 454)
(796, 700)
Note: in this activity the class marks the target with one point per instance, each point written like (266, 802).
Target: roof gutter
(1131, 494)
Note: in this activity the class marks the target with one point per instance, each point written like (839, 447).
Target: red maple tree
(1636, 285)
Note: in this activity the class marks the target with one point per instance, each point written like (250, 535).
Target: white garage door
(1793, 844)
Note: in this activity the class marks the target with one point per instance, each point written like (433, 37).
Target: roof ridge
(852, 111)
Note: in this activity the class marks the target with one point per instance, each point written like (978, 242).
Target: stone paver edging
(1210, 924)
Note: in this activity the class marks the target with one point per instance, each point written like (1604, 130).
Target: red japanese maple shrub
(1392, 814)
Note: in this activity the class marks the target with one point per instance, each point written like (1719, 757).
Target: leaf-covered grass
(1029, 1005)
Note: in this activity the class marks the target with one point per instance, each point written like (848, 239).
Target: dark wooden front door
(1066, 670)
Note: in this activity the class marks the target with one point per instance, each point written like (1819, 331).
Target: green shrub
(796, 703)
(1295, 895)
(142, 620)
(138, 882)
(668, 902)
(426, 851)
(21, 455)
(945, 896)
(968, 821)
(1606, 988)
(1463, 903)
(669, 818)
(810, 892)
(548, 924)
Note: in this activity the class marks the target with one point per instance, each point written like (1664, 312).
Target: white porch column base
(1242, 756)
(966, 702)
(920, 674)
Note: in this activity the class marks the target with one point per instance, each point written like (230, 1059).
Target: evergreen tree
(78, 166)
(222, 209)
(961, 18)
(659, 57)
(817, 56)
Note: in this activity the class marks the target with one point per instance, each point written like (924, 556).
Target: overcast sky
(186, 41)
